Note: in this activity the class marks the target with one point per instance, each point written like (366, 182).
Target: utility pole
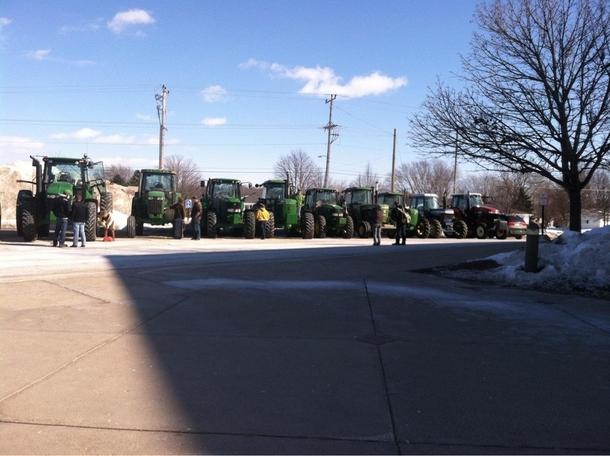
(393, 163)
(331, 137)
(161, 112)
(455, 160)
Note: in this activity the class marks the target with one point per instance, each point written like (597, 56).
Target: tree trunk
(575, 208)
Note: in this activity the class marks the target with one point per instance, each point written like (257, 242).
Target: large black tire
(423, 228)
(249, 225)
(501, 234)
(270, 232)
(460, 229)
(106, 203)
(436, 229)
(211, 225)
(348, 231)
(320, 226)
(91, 223)
(307, 225)
(21, 195)
(177, 229)
(480, 231)
(131, 226)
(28, 220)
(364, 230)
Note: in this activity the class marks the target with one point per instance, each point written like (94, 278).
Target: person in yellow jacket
(262, 217)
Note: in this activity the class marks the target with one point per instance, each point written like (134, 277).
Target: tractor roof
(351, 189)
(157, 171)
(424, 194)
(274, 181)
(222, 179)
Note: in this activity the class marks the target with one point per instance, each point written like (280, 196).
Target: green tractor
(442, 219)
(360, 203)
(283, 210)
(329, 216)
(53, 177)
(224, 209)
(154, 203)
(417, 225)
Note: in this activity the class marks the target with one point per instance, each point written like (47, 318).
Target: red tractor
(482, 221)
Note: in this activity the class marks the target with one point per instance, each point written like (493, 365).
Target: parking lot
(326, 346)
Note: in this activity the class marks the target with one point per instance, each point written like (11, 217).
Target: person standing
(62, 210)
(300, 199)
(80, 215)
(400, 218)
(262, 217)
(180, 213)
(377, 222)
(196, 214)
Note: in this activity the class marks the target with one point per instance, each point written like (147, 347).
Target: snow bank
(571, 262)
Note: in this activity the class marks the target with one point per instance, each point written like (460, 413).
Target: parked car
(516, 226)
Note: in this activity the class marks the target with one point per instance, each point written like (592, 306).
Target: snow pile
(572, 262)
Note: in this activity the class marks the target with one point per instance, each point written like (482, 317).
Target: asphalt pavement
(287, 346)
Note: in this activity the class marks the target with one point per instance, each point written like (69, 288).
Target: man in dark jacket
(400, 218)
(62, 210)
(196, 214)
(80, 215)
(377, 222)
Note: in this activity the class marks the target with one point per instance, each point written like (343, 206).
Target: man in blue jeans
(196, 214)
(80, 215)
(62, 210)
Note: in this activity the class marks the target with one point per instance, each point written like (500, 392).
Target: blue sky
(247, 80)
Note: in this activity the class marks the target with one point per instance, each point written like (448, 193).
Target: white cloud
(83, 133)
(4, 21)
(40, 54)
(214, 94)
(154, 140)
(214, 121)
(126, 19)
(324, 81)
(19, 142)
(115, 139)
(89, 27)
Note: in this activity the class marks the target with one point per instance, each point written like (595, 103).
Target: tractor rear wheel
(28, 220)
(249, 225)
(307, 225)
(177, 229)
(364, 230)
(460, 229)
(423, 228)
(320, 226)
(480, 231)
(91, 223)
(211, 224)
(270, 232)
(436, 229)
(131, 226)
(21, 195)
(106, 202)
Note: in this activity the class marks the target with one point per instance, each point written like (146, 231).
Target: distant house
(594, 219)
(252, 195)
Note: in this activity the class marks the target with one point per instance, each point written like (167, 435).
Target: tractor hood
(486, 209)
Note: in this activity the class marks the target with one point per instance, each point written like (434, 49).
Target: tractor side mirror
(202, 184)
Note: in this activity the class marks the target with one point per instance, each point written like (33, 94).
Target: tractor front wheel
(307, 225)
(364, 229)
(460, 229)
(320, 226)
(211, 224)
(270, 232)
(423, 228)
(249, 225)
(501, 234)
(21, 195)
(436, 229)
(348, 231)
(480, 231)
(131, 226)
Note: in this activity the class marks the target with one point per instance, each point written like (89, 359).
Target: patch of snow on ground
(572, 262)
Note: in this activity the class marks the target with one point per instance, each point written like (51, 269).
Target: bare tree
(300, 169)
(536, 96)
(119, 174)
(367, 179)
(424, 176)
(188, 175)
